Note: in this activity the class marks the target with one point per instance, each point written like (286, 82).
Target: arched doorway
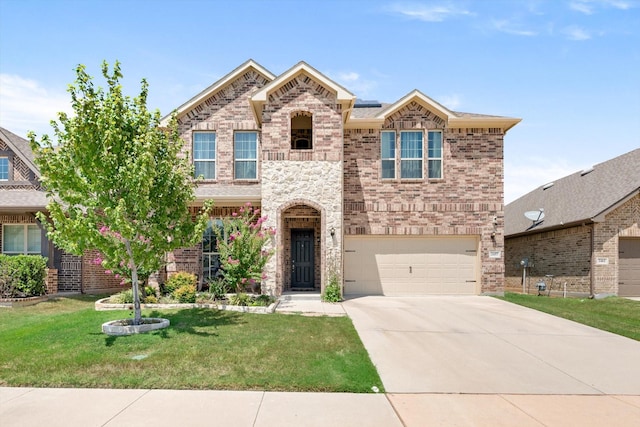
(302, 252)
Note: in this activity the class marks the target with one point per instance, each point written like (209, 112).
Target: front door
(302, 268)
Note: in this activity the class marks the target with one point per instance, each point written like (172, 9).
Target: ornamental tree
(117, 182)
(241, 244)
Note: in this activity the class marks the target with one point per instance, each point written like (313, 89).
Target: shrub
(263, 300)
(124, 297)
(185, 294)
(332, 292)
(218, 289)
(151, 299)
(22, 275)
(241, 299)
(179, 280)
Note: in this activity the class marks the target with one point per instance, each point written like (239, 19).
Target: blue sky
(569, 68)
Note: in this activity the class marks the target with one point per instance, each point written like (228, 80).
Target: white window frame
(388, 159)
(413, 159)
(205, 160)
(431, 158)
(25, 239)
(237, 160)
(206, 256)
(3, 159)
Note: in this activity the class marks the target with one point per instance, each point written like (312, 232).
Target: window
(435, 154)
(301, 130)
(204, 154)
(210, 254)
(21, 239)
(388, 154)
(4, 168)
(246, 155)
(411, 154)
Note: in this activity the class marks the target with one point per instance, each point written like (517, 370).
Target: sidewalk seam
(126, 407)
(386, 396)
(503, 397)
(255, 420)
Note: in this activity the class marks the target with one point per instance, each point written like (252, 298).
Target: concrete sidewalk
(26, 407)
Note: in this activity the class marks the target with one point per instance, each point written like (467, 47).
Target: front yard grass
(59, 343)
(618, 315)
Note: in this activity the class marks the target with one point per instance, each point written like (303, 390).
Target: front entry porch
(301, 254)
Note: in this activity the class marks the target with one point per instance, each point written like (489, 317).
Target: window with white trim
(411, 154)
(434, 162)
(4, 168)
(21, 239)
(245, 149)
(388, 154)
(204, 155)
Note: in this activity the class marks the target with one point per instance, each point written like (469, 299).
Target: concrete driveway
(473, 344)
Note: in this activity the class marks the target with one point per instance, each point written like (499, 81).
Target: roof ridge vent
(586, 171)
(547, 186)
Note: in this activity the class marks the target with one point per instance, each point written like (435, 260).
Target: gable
(18, 148)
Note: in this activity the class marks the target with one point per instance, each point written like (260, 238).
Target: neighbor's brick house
(589, 237)
(21, 196)
(400, 198)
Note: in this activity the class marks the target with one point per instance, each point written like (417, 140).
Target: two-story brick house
(399, 199)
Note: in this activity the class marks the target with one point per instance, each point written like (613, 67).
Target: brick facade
(571, 254)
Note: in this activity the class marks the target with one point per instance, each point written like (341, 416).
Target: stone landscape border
(103, 305)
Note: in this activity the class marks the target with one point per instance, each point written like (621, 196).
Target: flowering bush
(241, 244)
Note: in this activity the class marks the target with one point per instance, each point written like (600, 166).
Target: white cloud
(451, 101)
(588, 7)
(520, 178)
(509, 27)
(576, 33)
(25, 105)
(354, 83)
(428, 13)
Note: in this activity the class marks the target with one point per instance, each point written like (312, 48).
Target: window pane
(204, 146)
(245, 145)
(245, 170)
(388, 145)
(411, 145)
(4, 168)
(33, 239)
(435, 144)
(411, 169)
(13, 238)
(205, 169)
(388, 169)
(435, 168)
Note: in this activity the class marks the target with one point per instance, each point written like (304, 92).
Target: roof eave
(364, 123)
(504, 123)
(219, 84)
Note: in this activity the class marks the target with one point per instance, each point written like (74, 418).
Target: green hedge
(22, 276)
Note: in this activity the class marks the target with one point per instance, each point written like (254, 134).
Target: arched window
(301, 130)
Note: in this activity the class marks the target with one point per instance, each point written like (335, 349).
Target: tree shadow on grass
(195, 321)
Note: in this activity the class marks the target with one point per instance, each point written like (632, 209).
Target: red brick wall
(94, 278)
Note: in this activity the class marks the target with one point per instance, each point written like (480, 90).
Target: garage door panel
(629, 267)
(410, 265)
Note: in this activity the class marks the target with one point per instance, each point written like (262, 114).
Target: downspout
(592, 272)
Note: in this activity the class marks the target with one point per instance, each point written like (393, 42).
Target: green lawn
(59, 343)
(618, 315)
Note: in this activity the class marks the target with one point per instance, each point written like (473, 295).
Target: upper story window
(245, 149)
(388, 154)
(411, 154)
(435, 154)
(204, 154)
(4, 168)
(21, 239)
(301, 130)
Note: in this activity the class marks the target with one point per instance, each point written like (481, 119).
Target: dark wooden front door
(302, 266)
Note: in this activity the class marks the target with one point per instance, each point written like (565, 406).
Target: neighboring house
(21, 196)
(399, 199)
(589, 237)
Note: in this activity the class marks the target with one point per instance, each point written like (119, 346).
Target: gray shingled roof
(23, 200)
(371, 112)
(21, 147)
(228, 192)
(577, 198)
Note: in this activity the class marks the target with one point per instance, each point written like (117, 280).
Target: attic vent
(547, 186)
(586, 171)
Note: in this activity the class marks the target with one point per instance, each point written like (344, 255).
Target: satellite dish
(535, 216)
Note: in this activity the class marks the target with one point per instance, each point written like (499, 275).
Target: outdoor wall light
(332, 231)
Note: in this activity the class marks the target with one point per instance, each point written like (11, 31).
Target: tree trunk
(137, 312)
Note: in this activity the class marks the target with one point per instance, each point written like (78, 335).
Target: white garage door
(380, 265)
